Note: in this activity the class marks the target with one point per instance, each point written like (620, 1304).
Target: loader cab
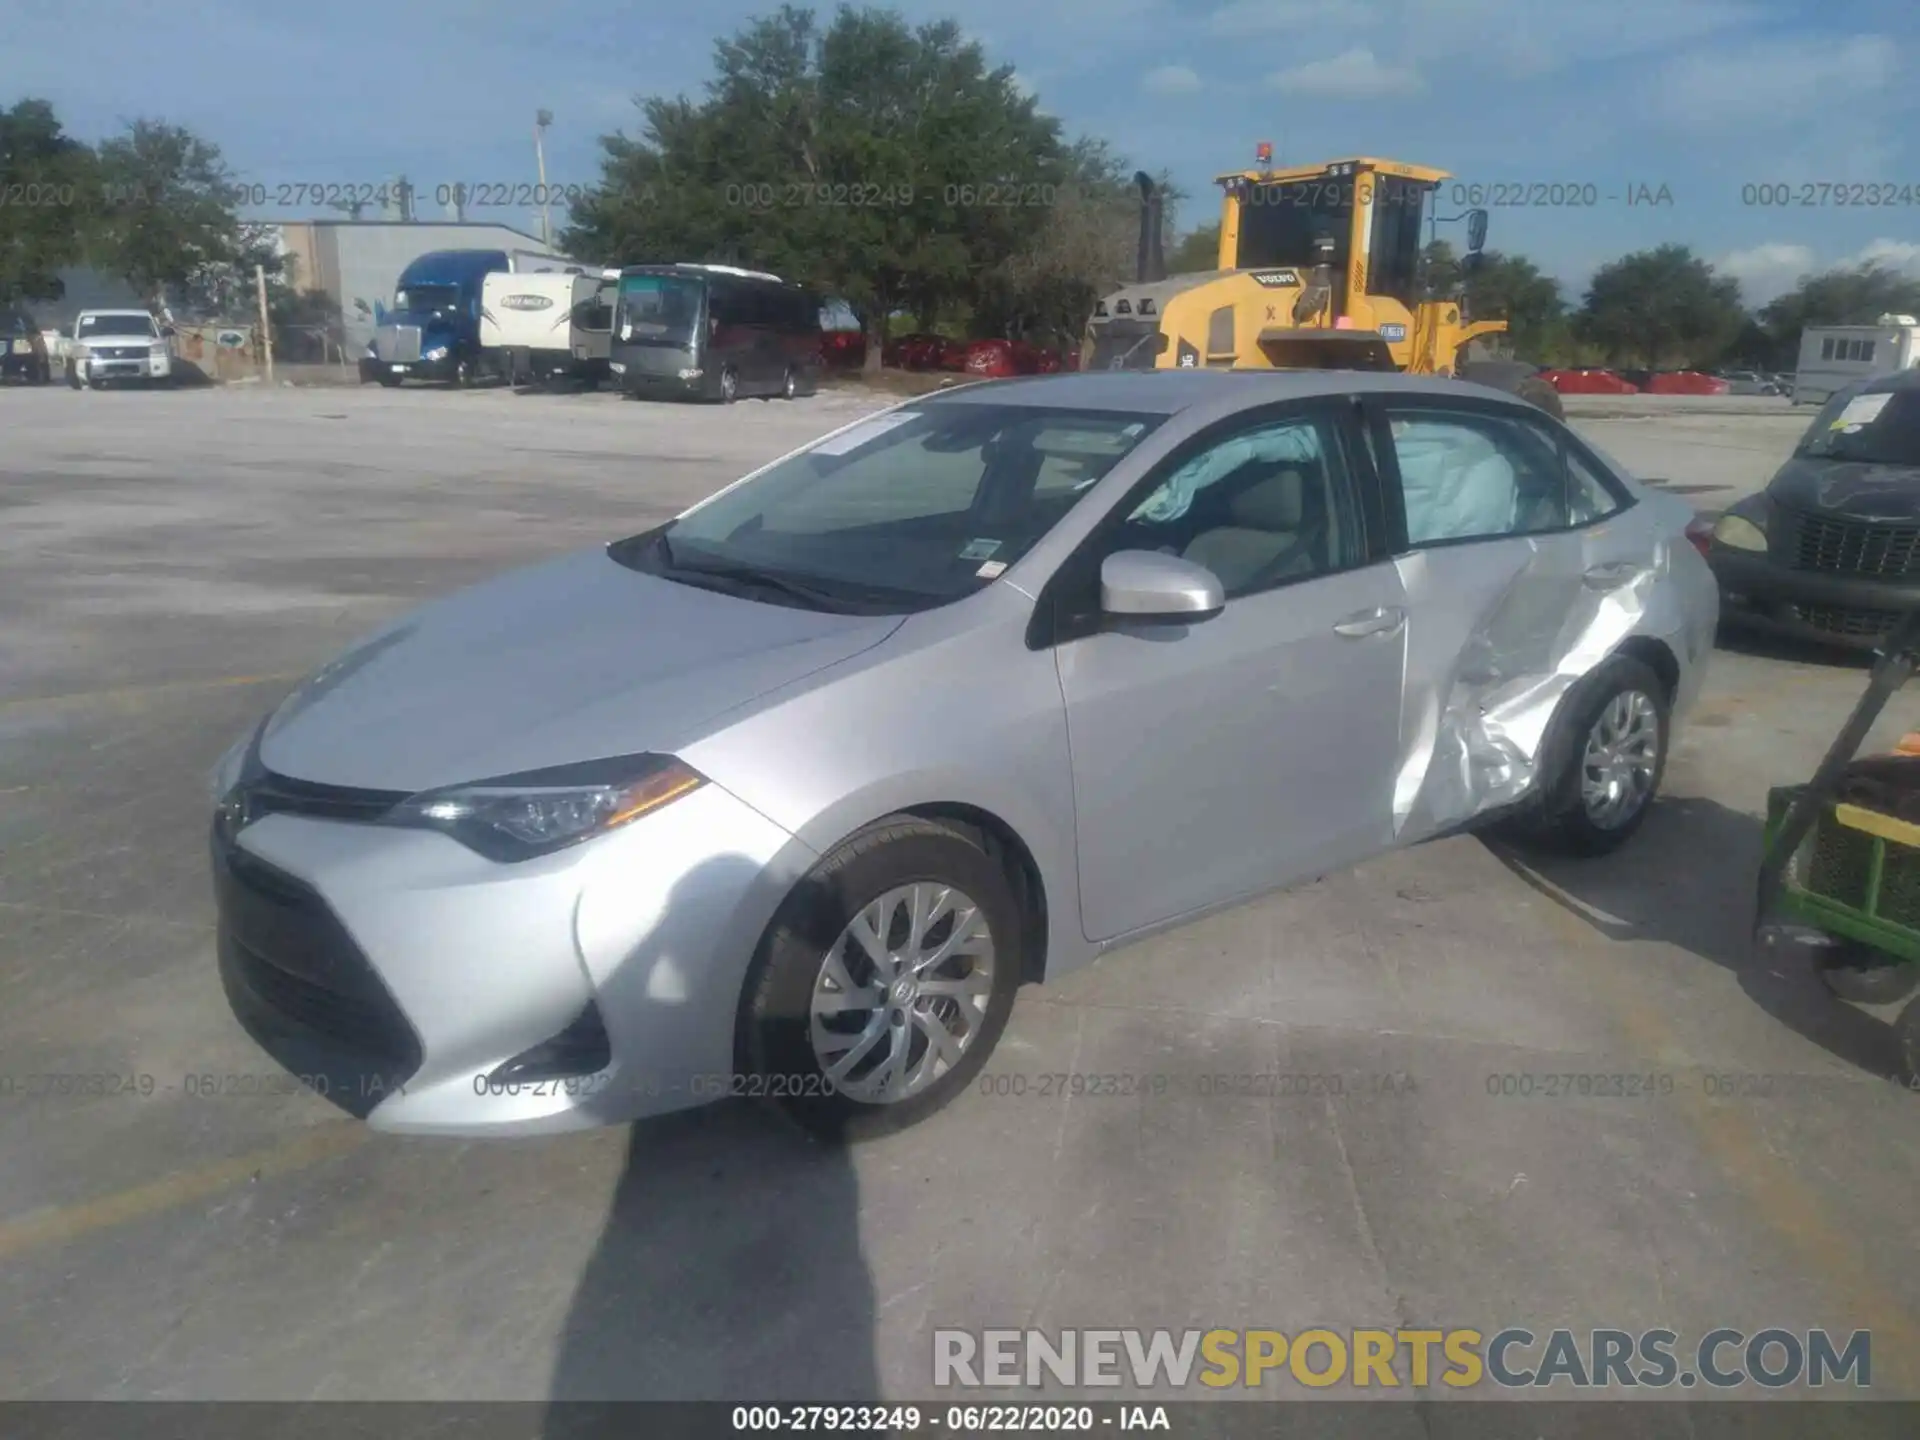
(1361, 218)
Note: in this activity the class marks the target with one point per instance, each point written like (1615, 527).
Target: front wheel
(729, 386)
(884, 983)
(789, 387)
(1604, 764)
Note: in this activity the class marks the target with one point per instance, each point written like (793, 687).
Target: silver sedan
(788, 797)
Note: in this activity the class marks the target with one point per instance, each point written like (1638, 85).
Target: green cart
(1849, 867)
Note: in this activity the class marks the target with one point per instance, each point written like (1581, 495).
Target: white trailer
(548, 325)
(1832, 357)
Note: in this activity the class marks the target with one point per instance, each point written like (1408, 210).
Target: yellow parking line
(137, 692)
(1837, 1262)
(61, 1224)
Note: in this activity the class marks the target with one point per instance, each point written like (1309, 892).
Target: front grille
(397, 343)
(271, 794)
(120, 352)
(1850, 624)
(285, 949)
(1835, 546)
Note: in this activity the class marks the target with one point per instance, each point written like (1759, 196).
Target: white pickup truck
(109, 346)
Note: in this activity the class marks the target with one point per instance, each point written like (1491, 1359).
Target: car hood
(576, 659)
(1853, 488)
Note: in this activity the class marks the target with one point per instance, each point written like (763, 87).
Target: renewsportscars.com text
(1511, 1358)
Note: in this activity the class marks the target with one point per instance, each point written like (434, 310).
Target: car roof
(117, 310)
(1896, 380)
(1168, 392)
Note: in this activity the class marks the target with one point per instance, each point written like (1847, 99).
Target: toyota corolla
(791, 795)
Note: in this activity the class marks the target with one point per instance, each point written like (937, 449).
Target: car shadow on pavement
(1687, 879)
(729, 1266)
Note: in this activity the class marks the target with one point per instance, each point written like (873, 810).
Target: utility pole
(266, 329)
(541, 120)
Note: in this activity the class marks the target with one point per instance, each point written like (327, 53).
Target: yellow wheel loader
(1319, 269)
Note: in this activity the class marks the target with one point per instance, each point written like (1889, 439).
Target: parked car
(1685, 382)
(1830, 550)
(842, 349)
(23, 350)
(789, 795)
(917, 352)
(1589, 382)
(111, 347)
(1750, 382)
(991, 359)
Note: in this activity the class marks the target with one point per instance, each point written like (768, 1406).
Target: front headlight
(438, 352)
(156, 352)
(1737, 532)
(517, 817)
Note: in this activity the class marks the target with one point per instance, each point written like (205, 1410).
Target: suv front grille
(1849, 624)
(1835, 546)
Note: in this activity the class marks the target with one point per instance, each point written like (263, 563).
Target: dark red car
(1588, 382)
(843, 349)
(1686, 382)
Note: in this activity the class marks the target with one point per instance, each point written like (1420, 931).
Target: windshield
(910, 509)
(1279, 223)
(658, 309)
(116, 325)
(427, 299)
(1879, 428)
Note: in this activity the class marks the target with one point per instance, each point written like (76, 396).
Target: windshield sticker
(852, 439)
(992, 570)
(979, 549)
(1861, 411)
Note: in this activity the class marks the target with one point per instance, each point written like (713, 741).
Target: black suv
(23, 351)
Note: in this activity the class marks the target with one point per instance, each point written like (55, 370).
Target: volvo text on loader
(1319, 269)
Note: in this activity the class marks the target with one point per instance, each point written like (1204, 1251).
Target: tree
(885, 164)
(1512, 287)
(1661, 307)
(170, 208)
(1199, 249)
(47, 188)
(1857, 295)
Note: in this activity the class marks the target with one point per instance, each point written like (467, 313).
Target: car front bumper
(1852, 611)
(398, 971)
(93, 369)
(442, 369)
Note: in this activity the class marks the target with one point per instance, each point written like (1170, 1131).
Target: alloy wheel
(1621, 757)
(902, 993)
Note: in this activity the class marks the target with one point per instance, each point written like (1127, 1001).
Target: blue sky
(1701, 96)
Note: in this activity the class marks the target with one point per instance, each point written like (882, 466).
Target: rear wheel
(789, 387)
(884, 983)
(729, 386)
(1864, 975)
(1604, 761)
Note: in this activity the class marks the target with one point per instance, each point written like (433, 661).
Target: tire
(1562, 819)
(789, 387)
(779, 1038)
(1538, 392)
(1906, 1030)
(1865, 976)
(391, 382)
(463, 374)
(729, 386)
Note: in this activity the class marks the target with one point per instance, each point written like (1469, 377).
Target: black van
(713, 332)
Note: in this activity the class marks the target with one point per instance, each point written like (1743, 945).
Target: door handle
(1610, 574)
(1381, 620)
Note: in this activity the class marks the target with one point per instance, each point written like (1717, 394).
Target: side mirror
(1476, 231)
(1146, 587)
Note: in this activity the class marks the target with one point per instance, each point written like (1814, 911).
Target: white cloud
(1530, 37)
(1351, 75)
(1022, 86)
(1171, 80)
(1769, 270)
(1273, 17)
(1773, 84)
